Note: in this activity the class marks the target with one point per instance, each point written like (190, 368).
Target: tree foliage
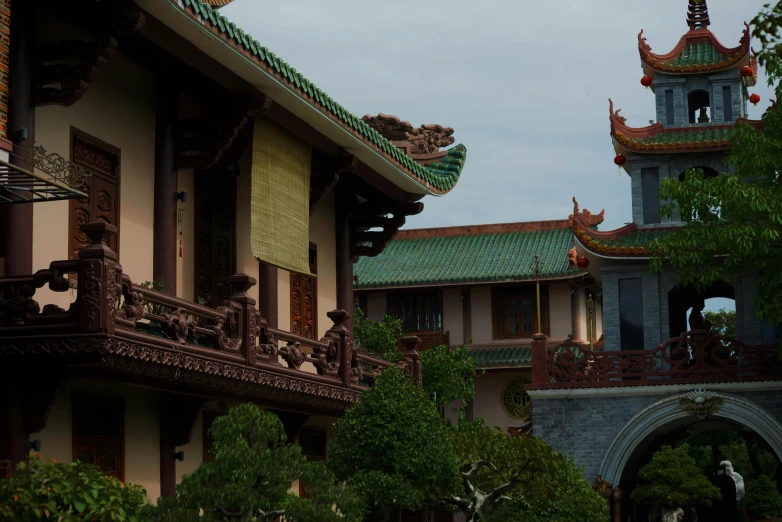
(732, 222)
(448, 375)
(48, 490)
(723, 322)
(762, 499)
(675, 480)
(251, 476)
(518, 478)
(393, 447)
(379, 338)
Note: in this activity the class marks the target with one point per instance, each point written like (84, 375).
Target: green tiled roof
(494, 357)
(503, 256)
(442, 175)
(639, 239)
(698, 54)
(692, 135)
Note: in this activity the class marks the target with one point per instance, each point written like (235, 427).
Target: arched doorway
(667, 423)
(682, 298)
(699, 104)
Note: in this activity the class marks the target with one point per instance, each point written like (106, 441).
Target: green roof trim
(698, 54)
(695, 135)
(477, 258)
(502, 357)
(441, 175)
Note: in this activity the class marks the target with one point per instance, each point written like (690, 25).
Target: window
(650, 180)
(304, 300)
(102, 161)
(515, 312)
(727, 104)
(419, 312)
(699, 104)
(313, 446)
(99, 434)
(670, 116)
(631, 314)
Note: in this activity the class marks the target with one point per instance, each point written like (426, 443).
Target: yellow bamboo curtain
(280, 198)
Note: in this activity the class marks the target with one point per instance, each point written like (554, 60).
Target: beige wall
(481, 314)
(377, 305)
(185, 265)
(488, 401)
(323, 234)
(453, 317)
(245, 260)
(559, 310)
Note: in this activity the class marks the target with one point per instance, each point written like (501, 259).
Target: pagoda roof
(657, 138)
(289, 87)
(470, 255)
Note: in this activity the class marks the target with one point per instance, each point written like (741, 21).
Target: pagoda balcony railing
(113, 316)
(430, 340)
(39, 175)
(694, 357)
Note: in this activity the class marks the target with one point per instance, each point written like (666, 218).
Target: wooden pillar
(268, 296)
(467, 314)
(617, 504)
(164, 227)
(16, 221)
(575, 312)
(539, 359)
(178, 414)
(13, 436)
(344, 203)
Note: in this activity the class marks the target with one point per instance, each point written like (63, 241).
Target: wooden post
(16, 221)
(344, 204)
(240, 284)
(98, 279)
(617, 505)
(539, 359)
(344, 353)
(268, 297)
(412, 357)
(467, 314)
(164, 242)
(575, 312)
(178, 414)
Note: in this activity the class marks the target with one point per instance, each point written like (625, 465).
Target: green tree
(732, 222)
(518, 478)
(48, 490)
(393, 447)
(448, 375)
(251, 476)
(762, 499)
(675, 480)
(723, 322)
(379, 338)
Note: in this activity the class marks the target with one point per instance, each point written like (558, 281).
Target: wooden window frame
(520, 293)
(413, 295)
(75, 437)
(110, 150)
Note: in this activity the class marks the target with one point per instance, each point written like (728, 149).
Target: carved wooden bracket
(321, 186)
(181, 411)
(201, 143)
(66, 69)
(389, 218)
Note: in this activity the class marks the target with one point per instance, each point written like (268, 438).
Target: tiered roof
(440, 176)
(470, 254)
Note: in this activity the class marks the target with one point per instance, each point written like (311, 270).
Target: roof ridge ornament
(698, 15)
(584, 217)
(426, 139)
(615, 116)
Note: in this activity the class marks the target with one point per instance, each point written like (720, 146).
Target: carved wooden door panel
(304, 300)
(102, 161)
(215, 222)
(106, 454)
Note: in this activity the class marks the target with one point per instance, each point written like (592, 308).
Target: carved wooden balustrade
(697, 356)
(113, 320)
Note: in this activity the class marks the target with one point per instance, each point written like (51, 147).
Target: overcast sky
(525, 84)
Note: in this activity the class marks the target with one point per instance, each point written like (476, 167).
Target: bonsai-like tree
(48, 490)
(379, 338)
(251, 477)
(393, 448)
(675, 480)
(448, 375)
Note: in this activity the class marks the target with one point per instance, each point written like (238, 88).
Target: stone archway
(668, 412)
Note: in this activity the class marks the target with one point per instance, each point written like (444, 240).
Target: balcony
(119, 328)
(694, 357)
(429, 340)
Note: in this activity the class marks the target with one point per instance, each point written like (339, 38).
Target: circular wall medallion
(514, 399)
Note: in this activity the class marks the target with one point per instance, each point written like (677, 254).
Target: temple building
(180, 211)
(480, 286)
(659, 380)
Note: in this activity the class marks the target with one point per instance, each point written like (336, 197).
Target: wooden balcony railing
(697, 356)
(112, 318)
(430, 339)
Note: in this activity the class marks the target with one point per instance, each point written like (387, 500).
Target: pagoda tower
(701, 91)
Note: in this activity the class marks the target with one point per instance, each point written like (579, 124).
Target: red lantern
(620, 160)
(754, 99)
(582, 262)
(646, 81)
(747, 72)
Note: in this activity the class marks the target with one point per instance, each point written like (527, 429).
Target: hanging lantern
(582, 262)
(747, 72)
(619, 161)
(646, 81)
(754, 99)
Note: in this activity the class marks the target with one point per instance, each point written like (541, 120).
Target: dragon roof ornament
(415, 141)
(584, 217)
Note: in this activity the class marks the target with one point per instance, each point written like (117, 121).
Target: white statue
(673, 515)
(727, 468)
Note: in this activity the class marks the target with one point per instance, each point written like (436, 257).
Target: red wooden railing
(697, 356)
(109, 305)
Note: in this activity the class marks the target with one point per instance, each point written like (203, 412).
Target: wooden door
(102, 161)
(304, 300)
(215, 248)
(105, 453)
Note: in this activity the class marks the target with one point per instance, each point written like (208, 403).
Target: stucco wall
(481, 314)
(488, 400)
(453, 316)
(322, 233)
(559, 310)
(185, 265)
(377, 305)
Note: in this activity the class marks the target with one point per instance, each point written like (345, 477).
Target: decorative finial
(698, 15)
